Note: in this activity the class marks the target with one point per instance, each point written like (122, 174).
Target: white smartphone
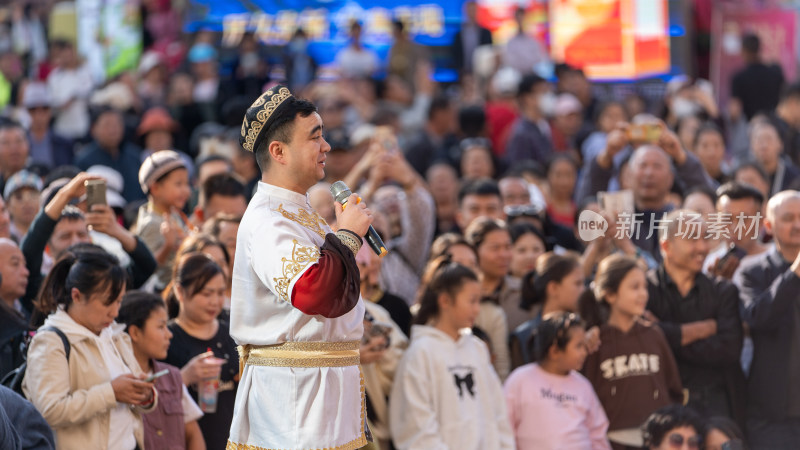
(156, 375)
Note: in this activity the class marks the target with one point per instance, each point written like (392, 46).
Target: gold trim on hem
(352, 445)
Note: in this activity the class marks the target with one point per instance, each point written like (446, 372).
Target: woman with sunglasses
(674, 427)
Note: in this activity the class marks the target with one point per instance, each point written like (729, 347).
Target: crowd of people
(496, 320)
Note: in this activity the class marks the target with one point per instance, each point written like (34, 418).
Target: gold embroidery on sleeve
(301, 257)
(310, 220)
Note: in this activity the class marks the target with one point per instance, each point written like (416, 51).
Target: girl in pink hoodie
(550, 404)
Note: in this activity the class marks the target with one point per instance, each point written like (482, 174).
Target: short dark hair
(528, 83)
(136, 308)
(668, 418)
(214, 224)
(480, 187)
(223, 184)
(735, 190)
(708, 127)
(726, 426)
(282, 127)
(472, 120)
(97, 112)
(71, 212)
(439, 103)
(8, 124)
(528, 167)
(751, 43)
(755, 166)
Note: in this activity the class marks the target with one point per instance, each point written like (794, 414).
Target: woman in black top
(198, 287)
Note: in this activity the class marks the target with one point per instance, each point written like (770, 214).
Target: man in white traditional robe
(296, 311)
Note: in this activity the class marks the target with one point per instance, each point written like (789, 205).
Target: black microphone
(340, 193)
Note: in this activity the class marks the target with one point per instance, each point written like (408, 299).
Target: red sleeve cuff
(320, 290)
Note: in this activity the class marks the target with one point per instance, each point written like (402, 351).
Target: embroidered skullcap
(260, 115)
(157, 165)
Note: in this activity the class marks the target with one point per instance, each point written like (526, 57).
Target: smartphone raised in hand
(95, 193)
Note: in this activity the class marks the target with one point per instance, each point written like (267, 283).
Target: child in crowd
(555, 286)
(446, 393)
(674, 427)
(633, 372)
(161, 223)
(550, 404)
(173, 424)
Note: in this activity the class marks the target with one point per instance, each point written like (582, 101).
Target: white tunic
(278, 407)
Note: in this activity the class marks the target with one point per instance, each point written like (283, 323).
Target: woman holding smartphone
(89, 386)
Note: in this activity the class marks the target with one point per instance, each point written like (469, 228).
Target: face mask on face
(683, 107)
(547, 104)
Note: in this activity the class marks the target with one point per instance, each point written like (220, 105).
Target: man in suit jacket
(469, 37)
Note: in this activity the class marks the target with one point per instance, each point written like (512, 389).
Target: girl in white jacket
(446, 395)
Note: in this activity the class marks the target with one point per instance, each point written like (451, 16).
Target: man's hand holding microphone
(354, 216)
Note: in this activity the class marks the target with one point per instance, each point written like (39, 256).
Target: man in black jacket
(769, 284)
(699, 317)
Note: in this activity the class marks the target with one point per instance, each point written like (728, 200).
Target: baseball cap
(22, 179)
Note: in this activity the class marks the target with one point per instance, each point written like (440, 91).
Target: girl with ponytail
(633, 372)
(90, 389)
(555, 286)
(446, 393)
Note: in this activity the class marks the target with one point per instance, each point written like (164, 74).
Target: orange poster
(611, 39)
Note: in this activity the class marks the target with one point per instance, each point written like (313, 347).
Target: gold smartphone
(644, 133)
(95, 193)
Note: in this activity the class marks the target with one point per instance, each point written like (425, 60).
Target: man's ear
(277, 150)
(767, 225)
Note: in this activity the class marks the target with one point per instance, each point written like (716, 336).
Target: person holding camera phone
(61, 224)
(658, 161)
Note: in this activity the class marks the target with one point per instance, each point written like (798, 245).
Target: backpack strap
(63, 337)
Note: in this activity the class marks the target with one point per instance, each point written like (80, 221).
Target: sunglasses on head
(676, 441)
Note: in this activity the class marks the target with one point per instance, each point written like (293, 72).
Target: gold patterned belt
(301, 354)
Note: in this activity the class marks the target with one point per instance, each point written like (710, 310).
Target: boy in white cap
(161, 223)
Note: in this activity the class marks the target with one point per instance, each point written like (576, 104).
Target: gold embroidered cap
(259, 116)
